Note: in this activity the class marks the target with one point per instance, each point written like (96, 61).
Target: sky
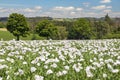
(60, 8)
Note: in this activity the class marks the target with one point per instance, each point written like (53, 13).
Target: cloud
(35, 9)
(101, 7)
(79, 9)
(115, 14)
(109, 7)
(1, 8)
(105, 1)
(73, 13)
(38, 7)
(60, 8)
(20, 10)
(62, 12)
(12, 5)
(29, 10)
(67, 9)
(107, 11)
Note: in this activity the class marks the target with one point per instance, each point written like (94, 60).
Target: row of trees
(81, 28)
(18, 26)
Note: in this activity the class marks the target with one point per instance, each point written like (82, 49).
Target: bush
(112, 36)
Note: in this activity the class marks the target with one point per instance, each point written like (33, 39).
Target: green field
(6, 35)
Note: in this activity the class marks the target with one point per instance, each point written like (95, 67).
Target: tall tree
(110, 22)
(102, 29)
(80, 30)
(46, 29)
(108, 19)
(17, 25)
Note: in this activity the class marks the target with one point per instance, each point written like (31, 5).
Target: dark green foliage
(112, 36)
(102, 29)
(17, 25)
(108, 19)
(63, 33)
(80, 30)
(46, 29)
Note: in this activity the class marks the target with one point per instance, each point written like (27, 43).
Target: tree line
(81, 28)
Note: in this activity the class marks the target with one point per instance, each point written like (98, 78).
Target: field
(3, 29)
(6, 35)
(60, 60)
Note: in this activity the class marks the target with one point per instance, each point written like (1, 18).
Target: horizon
(61, 8)
(60, 17)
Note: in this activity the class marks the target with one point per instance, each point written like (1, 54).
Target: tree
(110, 22)
(108, 19)
(62, 32)
(17, 25)
(46, 29)
(102, 29)
(80, 30)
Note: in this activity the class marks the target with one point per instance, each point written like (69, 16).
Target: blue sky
(61, 8)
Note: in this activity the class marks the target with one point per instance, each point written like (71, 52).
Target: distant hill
(37, 19)
(3, 19)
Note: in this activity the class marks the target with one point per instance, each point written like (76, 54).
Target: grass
(6, 35)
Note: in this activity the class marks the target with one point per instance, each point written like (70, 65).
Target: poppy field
(60, 60)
